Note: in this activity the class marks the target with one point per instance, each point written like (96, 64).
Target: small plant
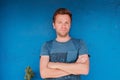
(29, 73)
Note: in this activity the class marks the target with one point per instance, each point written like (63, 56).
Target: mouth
(64, 30)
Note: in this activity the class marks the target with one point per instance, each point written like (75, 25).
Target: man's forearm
(53, 73)
(72, 68)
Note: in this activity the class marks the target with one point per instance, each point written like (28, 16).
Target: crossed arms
(57, 69)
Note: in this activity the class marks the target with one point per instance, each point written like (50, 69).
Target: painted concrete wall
(26, 24)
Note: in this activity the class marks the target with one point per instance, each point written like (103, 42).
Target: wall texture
(26, 24)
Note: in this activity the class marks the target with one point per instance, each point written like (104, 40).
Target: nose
(63, 25)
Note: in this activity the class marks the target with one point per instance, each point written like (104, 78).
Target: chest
(63, 53)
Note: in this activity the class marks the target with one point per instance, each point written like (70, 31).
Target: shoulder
(77, 40)
(48, 43)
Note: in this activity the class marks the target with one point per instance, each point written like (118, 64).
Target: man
(64, 58)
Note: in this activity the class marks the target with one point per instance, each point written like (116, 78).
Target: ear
(53, 25)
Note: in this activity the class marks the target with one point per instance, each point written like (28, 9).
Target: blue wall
(26, 24)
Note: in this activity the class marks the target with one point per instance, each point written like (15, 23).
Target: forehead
(62, 16)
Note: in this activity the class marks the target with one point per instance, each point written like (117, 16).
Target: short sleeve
(83, 49)
(44, 49)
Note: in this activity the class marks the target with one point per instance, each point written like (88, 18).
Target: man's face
(62, 24)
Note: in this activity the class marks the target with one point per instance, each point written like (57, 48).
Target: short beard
(62, 35)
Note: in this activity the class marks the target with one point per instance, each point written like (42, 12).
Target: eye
(66, 23)
(59, 22)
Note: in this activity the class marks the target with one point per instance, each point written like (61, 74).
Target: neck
(63, 39)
